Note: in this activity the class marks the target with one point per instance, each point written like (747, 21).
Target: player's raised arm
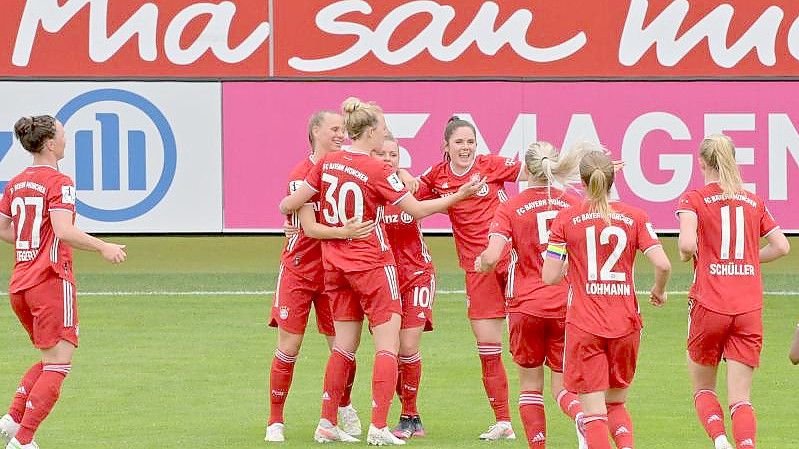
(421, 209)
(297, 199)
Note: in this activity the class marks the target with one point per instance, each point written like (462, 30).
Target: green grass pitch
(191, 371)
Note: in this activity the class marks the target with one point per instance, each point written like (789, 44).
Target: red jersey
(407, 242)
(350, 185)
(302, 254)
(727, 264)
(524, 221)
(601, 289)
(28, 199)
(471, 217)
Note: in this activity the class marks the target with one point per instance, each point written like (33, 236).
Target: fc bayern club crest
(284, 312)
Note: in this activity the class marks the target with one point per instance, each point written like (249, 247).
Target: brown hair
(596, 172)
(34, 131)
(453, 124)
(359, 116)
(718, 152)
(315, 121)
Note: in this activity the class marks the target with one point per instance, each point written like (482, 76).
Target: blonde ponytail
(359, 116)
(596, 172)
(718, 152)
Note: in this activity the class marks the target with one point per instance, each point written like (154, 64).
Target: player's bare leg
(708, 407)
(569, 404)
(410, 373)
(56, 364)
(739, 389)
(488, 333)
(345, 344)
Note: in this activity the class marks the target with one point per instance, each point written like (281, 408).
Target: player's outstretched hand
(113, 253)
(354, 228)
(473, 186)
(657, 298)
(290, 230)
(617, 166)
(411, 183)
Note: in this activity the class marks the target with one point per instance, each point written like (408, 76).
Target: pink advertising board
(655, 127)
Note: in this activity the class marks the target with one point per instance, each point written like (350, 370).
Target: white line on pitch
(271, 292)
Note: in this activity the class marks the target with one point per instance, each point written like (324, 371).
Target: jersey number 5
(337, 212)
(18, 208)
(604, 238)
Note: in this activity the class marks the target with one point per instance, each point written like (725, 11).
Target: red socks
(410, 375)
(531, 409)
(620, 425)
(42, 399)
(710, 413)
(569, 403)
(279, 383)
(335, 383)
(744, 425)
(596, 431)
(495, 379)
(384, 380)
(17, 408)
(346, 396)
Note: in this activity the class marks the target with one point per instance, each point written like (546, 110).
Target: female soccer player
(300, 282)
(602, 321)
(720, 229)
(537, 312)
(37, 214)
(417, 284)
(360, 274)
(470, 221)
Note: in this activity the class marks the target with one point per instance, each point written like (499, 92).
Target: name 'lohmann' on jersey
(608, 289)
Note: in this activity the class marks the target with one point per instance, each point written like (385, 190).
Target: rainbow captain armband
(556, 251)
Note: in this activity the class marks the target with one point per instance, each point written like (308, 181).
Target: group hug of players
(556, 263)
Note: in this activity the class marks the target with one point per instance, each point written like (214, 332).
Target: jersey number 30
(337, 211)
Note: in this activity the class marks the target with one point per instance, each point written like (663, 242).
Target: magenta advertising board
(655, 127)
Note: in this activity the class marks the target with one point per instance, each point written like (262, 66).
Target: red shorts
(596, 363)
(292, 305)
(417, 302)
(374, 293)
(712, 335)
(48, 312)
(535, 340)
(485, 295)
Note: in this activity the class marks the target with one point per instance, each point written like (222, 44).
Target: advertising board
(145, 157)
(655, 128)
